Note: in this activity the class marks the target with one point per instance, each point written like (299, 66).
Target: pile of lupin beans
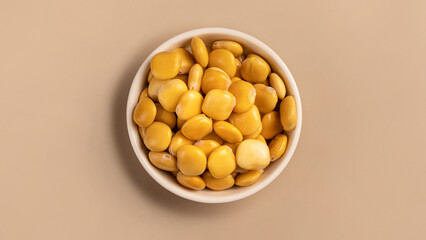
(212, 116)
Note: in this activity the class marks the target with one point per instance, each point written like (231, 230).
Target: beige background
(67, 170)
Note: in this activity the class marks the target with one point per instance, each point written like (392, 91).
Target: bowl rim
(291, 146)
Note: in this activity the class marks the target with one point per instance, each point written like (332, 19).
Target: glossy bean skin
(166, 65)
(195, 77)
(266, 98)
(144, 113)
(170, 93)
(189, 105)
(218, 104)
(187, 60)
(163, 161)
(215, 78)
(157, 137)
(197, 127)
(278, 84)
(271, 125)
(227, 132)
(221, 162)
(277, 146)
(288, 113)
(191, 182)
(199, 50)
(245, 95)
(191, 160)
(223, 59)
(254, 69)
(235, 48)
(218, 184)
(247, 122)
(248, 178)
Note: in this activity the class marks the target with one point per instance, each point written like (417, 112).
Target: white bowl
(165, 179)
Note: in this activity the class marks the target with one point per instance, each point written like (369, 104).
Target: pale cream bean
(253, 154)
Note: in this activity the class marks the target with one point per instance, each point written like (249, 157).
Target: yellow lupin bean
(197, 127)
(154, 86)
(218, 184)
(213, 136)
(145, 111)
(195, 77)
(266, 98)
(254, 69)
(271, 125)
(277, 146)
(187, 60)
(163, 116)
(170, 94)
(221, 162)
(248, 178)
(144, 94)
(191, 182)
(227, 132)
(166, 65)
(247, 122)
(224, 60)
(238, 67)
(157, 137)
(189, 105)
(234, 79)
(191, 160)
(253, 154)
(141, 131)
(278, 84)
(215, 78)
(207, 146)
(183, 77)
(163, 161)
(218, 104)
(235, 48)
(245, 95)
(233, 146)
(178, 140)
(238, 169)
(261, 138)
(199, 51)
(180, 122)
(288, 113)
(149, 76)
(255, 134)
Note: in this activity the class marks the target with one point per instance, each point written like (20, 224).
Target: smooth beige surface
(67, 170)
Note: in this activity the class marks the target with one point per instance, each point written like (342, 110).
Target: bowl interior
(251, 45)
